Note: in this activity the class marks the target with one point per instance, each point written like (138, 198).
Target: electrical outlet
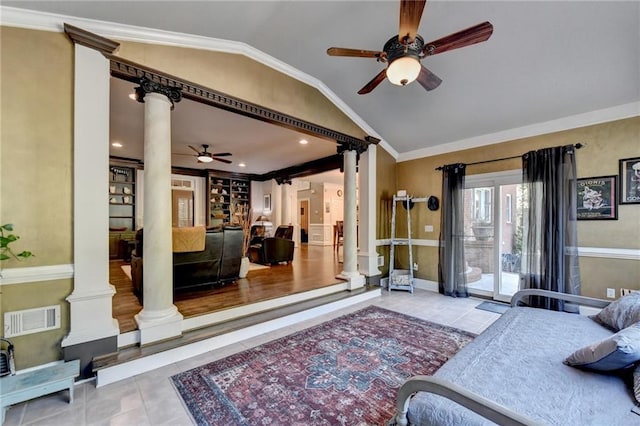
(428, 228)
(415, 266)
(611, 293)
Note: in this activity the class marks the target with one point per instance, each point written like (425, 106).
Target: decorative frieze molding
(31, 274)
(134, 72)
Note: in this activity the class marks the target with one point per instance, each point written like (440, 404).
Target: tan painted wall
(243, 78)
(36, 173)
(606, 144)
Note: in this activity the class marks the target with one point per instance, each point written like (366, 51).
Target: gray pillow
(614, 353)
(620, 313)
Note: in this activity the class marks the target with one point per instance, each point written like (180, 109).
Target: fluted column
(367, 254)
(159, 318)
(350, 264)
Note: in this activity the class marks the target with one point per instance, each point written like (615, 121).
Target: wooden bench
(32, 384)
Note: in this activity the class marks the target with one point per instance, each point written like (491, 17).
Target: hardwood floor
(312, 267)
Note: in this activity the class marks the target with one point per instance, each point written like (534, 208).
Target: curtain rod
(577, 146)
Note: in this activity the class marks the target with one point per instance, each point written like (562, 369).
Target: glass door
(493, 234)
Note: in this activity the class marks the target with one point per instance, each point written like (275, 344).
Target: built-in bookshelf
(226, 193)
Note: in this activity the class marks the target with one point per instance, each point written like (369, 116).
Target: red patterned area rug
(343, 372)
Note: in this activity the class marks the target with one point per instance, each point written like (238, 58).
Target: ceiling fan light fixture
(204, 159)
(403, 70)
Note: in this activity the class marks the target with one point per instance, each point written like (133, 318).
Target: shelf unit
(122, 211)
(224, 194)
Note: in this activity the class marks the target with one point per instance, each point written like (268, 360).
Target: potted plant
(242, 217)
(5, 251)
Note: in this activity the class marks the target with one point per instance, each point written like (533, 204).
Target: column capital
(174, 94)
(358, 146)
(282, 180)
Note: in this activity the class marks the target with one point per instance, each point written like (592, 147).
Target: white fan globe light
(403, 71)
(205, 159)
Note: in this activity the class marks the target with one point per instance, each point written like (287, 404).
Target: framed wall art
(630, 181)
(267, 203)
(597, 198)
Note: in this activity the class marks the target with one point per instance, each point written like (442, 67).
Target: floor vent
(18, 323)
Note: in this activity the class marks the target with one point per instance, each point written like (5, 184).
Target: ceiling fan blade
(466, 37)
(222, 160)
(196, 151)
(356, 53)
(222, 154)
(373, 83)
(428, 80)
(410, 14)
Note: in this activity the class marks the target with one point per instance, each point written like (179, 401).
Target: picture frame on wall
(630, 180)
(597, 198)
(267, 203)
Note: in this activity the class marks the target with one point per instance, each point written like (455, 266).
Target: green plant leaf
(8, 226)
(4, 256)
(25, 254)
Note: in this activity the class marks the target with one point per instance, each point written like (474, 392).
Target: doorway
(493, 234)
(303, 220)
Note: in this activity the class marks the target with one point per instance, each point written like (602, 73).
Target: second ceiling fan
(403, 52)
(205, 156)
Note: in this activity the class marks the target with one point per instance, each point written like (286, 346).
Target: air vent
(18, 323)
(380, 260)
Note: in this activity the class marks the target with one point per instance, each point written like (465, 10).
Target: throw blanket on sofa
(190, 239)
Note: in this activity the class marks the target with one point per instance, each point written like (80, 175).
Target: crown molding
(566, 123)
(36, 20)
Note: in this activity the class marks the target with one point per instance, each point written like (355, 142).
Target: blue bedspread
(517, 362)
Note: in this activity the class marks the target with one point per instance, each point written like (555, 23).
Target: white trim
(603, 252)
(609, 253)
(414, 242)
(53, 22)
(151, 362)
(417, 283)
(31, 274)
(571, 122)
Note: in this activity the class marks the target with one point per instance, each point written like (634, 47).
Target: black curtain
(451, 266)
(550, 258)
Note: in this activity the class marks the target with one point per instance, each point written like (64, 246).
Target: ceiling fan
(205, 156)
(403, 53)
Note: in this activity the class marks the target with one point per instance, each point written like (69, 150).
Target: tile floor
(150, 399)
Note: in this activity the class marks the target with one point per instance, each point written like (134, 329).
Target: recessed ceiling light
(242, 165)
(117, 144)
(303, 141)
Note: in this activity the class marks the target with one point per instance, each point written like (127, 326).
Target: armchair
(278, 248)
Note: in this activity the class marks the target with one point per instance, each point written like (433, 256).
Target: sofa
(276, 249)
(217, 264)
(516, 373)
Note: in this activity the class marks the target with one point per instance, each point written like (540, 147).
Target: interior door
(181, 208)
(493, 234)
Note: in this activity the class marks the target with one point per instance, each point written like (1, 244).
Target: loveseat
(514, 373)
(217, 264)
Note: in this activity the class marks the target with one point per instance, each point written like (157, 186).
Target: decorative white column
(159, 318)
(350, 272)
(93, 330)
(288, 217)
(367, 254)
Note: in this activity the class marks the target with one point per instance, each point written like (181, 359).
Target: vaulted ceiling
(546, 60)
